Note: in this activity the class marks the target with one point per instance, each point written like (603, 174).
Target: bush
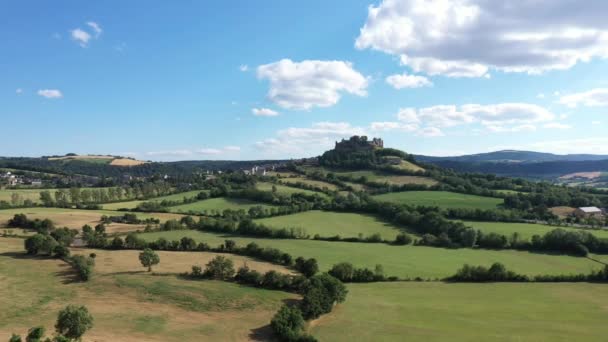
(288, 323)
(220, 268)
(403, 239)
(320, 295)
(73, 322)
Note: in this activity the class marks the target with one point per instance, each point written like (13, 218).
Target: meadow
(328, 224)
(312, 182)
(527, 230)
(31, 194)
(380, 177)
(468, 312)
(169, 308)
(442, 199)
(217, 204)
(402, 261)
(133, 204)
(285, 190)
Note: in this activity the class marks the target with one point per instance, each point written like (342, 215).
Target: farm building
(588, 212)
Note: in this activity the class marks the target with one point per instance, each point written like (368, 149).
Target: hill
(514, 156)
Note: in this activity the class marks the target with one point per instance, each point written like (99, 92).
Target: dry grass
(126, 162)
(109, 262)
(588, 175)
(82, 157)
(562, 211)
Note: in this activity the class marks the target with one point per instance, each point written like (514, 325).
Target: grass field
(406, 165)
(380, 177)
(442, 199)
(526, 230)
(468, 312)
(316, 183)
(132, 305)
(76, 218)
(285, 190)
(402, 261)
(133, 204)
(328, 224)
(31, 194)
(217, 204)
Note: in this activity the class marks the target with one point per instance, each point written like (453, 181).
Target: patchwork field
(76, 218)
(285, 190)
(527, 230)
(328, 224)
(218, 204)
(402, 261)
(133, 204)
(132, 305)
(468, 312)
(442, 199)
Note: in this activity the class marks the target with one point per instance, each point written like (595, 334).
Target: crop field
(527, 230)
(316, 183)
(285, 190)
(402, 261)
(76, 218)
(131, 305)
(328, 224)
(217, 204)
(468, 312)
(133, 204)
(442, 199)
(31, 194)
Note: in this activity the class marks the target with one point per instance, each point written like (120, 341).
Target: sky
(239, 80)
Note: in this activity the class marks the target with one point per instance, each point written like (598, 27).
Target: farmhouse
(588, 212)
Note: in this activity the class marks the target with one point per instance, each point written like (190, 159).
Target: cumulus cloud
(50, 93)
(408, 81)
(466, 38)
(80, 36)
(495, 114)
(311, 83)
(597, 97)
(264, 112)
(308, 140)
(190, 153)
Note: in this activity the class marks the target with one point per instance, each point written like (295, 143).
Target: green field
(315, 183)
(133, 204)
(468, 312)
(218, 204)
(402, 261)
(129, 306)
(328, 224)
(442, 199)
(380, 177)
(285, 190)
(526, 230)
(31, 194)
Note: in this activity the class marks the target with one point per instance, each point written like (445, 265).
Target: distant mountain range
(513, 156)
(528, 164)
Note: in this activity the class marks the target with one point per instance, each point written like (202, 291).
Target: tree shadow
(265, 333)
(67, 275)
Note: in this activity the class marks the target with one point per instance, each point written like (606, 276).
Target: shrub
(73, 322)
(220, 268)
(288, 323)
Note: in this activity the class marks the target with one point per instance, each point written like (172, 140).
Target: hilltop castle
(359, 143)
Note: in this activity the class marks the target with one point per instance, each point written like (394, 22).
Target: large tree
(149, 258)
(74, 321)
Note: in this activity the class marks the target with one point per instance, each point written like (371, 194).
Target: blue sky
(276, 79)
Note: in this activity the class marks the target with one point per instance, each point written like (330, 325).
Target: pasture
(402, 261)
(328, 224)
(133, 204)
(285, 190)
(468, 312)
(442, 199)
(132, 305)
(527, 230)
(218, 205)
(380, 177)
(76, 218)
(315, 183)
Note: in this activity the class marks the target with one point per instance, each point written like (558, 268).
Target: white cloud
(513, 129)
(244, 67)
(18, 91)
(311, 83)
(232, 148)
(264, 112)
(50, 93)
(430, 132)
(597, 97)
(82, 37)
(557, 125)
(580, 145)
(308, 140)
(391, 126)
(540, 96)
(189, 153)
(596, 123)
(95, 27)
(496, 114)
(466, 38)
(408, 81)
